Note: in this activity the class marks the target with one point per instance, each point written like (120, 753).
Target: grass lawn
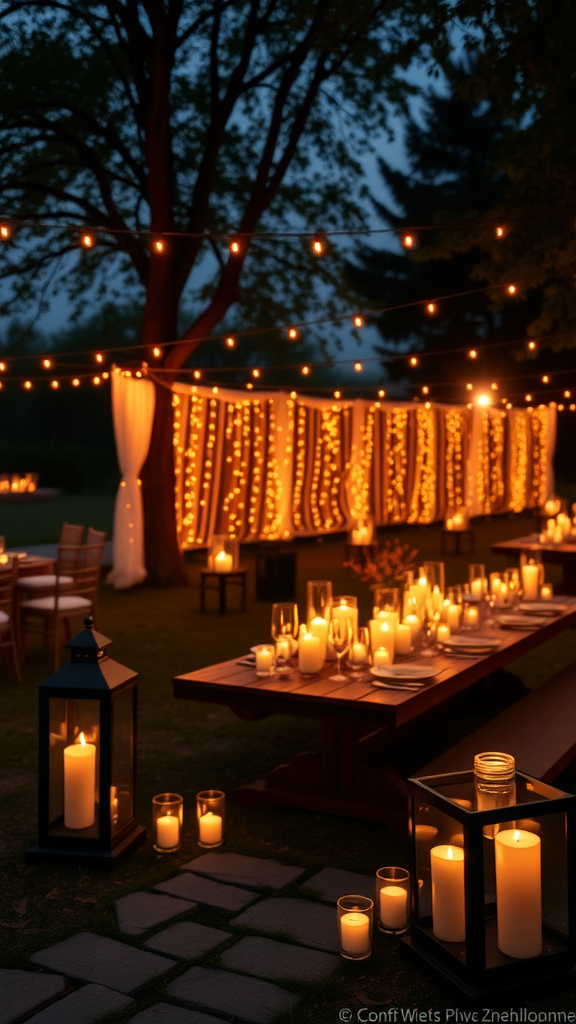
(39, 522)
(184, 747)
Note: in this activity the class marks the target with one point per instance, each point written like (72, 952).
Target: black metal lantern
(493, 899)
(87, 765)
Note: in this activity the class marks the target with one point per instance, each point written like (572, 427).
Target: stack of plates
(519, 621)
(404, 676)
(470, 645)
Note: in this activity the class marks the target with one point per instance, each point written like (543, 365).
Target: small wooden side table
(458, 534)
(211, 580)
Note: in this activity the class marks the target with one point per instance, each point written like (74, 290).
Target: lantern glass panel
(122, 789)
(74, 781)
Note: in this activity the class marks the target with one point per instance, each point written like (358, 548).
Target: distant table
(34, 565)
(357, 719)
(554, 554)
(219, 581)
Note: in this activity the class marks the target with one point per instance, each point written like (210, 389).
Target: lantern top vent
(89, 646)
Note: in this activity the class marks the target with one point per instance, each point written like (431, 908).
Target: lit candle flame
(450, 853)
(82, 739)
(516, 836)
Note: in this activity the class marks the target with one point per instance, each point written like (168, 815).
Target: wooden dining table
(357, 718)
(554, 554)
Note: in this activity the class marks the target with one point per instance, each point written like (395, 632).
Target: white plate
(542, 607)
(485, 642)
(519, 621)
(405, 672)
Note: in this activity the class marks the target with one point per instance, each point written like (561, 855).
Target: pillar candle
(319, 628)
(471, 616)
(476, 586)
(381, 635)
(448, 916)
(403, 639)
(546, 592)
(530, 574)
(444, 609)
(346, 611)
(168, 831)
(79, 784)
(223, 562)
(437, 597)
(518, 893)
(413, 623)
(361, 536)
(310, 658)
(458, 521)
(453, 613)
(355, 933)
(263, 661)
(359, 652)
(393, 907)
(381, 657)
(210, 828)
(442, 633)
(501, 595)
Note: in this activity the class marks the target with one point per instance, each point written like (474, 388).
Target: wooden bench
(539, 730)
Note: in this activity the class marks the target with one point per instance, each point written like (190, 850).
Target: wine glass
(358, 654)
(340, 634)
(284, 631)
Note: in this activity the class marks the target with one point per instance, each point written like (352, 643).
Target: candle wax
(167, 831)
(393, 907)
(518, 893)
(355, 933)
(448, 917)
(79, 784)
(210, 826)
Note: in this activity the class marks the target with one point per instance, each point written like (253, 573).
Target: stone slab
(166, 1013)
(247, 999)
(82, 1007)
(331, 884)
(267, 958)
(22, 992)
(187, 940)
(189, 886)
(309, 924)
(236, 869)
(140, 911)
(108, 962)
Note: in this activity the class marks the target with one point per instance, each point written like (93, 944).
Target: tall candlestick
(79, 784)
(448, 908)
(530, 579)
(319, 628)
(310, 658)
(518, 893)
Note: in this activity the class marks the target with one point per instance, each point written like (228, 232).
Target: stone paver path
(309, 924)
(105, 961)
(253, 872)
(331, 884)
(210, 894)
(247, 999)
(22, 992)
(140, 911)
(187, 940)
(82, 1007)
(267, 958)
(167, 1013)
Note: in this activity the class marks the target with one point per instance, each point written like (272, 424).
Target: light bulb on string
(249, 385)
(425, 390)
(28, 385)
(293, 395)
(255, 373)
(427, 405)
(567, 394)
(573, 408)
(408, 241)
(214, 390)
(305, 371)
(358, 367)
(2, 367)
(545, 379)
(337, 394)
(156, 352)
(318, 246)
(469, 387)
(293, 334)
(413, 361)
(55, 385)
(46, 363)
(532, 346)
(473, 354)
(87, 240)
(500, 231)
(234, 247)
(431, 308)
(527, 398)
(483, 400)
(358, 320)
(511, 289)
(508, 405)
(96, 381)
(230, 341)
(494, 386)
(5, 232)
(75, 382)
(560, 408)
(105, 375)
(159, 246)
(197, 375)
(382, 393)
(99, 357)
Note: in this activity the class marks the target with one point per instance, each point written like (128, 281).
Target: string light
(413, 361)
(358, 320)
(318, 246)
(96, 381)
(483, 400)
(255, 373)
(305, 371)
(509, 406)
(159, 245)
(425, 390)
(46, 363)
(5, 232)
(567, 394)
(572, 408)
(469, 387)
(431, 308)
(527, 398)
(197, 375)
(293, 395)
(99, 357)
(382, 393)
(511, 289)
(500, 232)
(560, 408)
(408, 241)
(293, 333)
(2, 367)
(105, 375)
(358, 367)
(532, 346)
(28, 385)
(473, 354)
(75, 382)
(545, 379)
(249, 385)
(337, 394)
(234, 247)
(230, 341)
(214, 391)
(156, 352)
(87, 241)
(55, 384)
(494, 386)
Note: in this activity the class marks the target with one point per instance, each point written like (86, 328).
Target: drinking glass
(358, 654)
(284, 631)
(340, 634)
(434, 573)
(386, 599)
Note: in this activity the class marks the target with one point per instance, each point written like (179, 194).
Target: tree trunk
(164, 560)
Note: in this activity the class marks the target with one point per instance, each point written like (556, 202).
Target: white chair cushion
(4, 618)
(39, 582)
(65, 604)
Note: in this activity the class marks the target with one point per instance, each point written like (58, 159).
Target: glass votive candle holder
(546, 592)
(392, 900)
(265, 655)
(355, 919)
(167, 817)
(210, 812)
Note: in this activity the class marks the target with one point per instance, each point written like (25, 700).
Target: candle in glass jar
(453, 613)
(346, 611)
(210, 828)
(264, 660)
(168, 831)
(448, 916)
(413, 623)
(476, 586)
(283, 648)
(518, 893)
(442, 632)
(381, 657)
(319, 628)
(436, 598)
(546, 592)
(79, 784)
(359, 652)
(444, 609)
(403, 639)
(355, 933)
(223, 562)
(530, 577)
(310, 658)
(361, 536)
(471, 616)
(393, 907)
(382, 635)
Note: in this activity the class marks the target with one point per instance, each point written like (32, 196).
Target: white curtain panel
(133, 402)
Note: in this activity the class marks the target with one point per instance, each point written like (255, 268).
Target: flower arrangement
(392, 561)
